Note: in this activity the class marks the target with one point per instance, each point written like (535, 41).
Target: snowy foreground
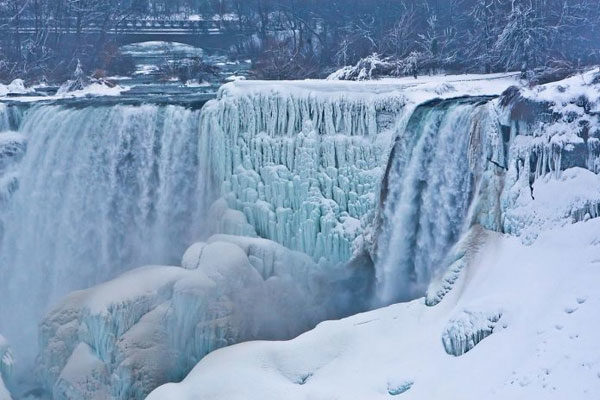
(538, 304)
(330, 198)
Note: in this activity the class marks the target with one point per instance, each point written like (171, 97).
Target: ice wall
(303, 167)
(99, 190)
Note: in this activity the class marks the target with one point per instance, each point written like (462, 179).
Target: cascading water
(100, 190)
(427, 192)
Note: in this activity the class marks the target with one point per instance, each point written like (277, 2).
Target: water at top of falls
(428, 190)
(100, 190)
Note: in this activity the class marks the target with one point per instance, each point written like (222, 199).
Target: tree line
(311, 38)
(428, 35)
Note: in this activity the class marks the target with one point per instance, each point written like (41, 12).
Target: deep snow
(542, 347)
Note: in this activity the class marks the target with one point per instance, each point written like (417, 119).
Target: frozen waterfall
(100, 190)
(427, 192)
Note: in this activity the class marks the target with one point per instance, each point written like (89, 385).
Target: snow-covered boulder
(17, 86)
(224, 220)
(123, 338)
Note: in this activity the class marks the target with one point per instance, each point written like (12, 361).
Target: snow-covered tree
(523, 42)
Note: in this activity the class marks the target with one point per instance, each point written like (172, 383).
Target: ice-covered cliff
(498, 202)
(304, 160)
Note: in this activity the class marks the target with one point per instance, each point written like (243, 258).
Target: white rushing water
(429, 188)
(100, 190)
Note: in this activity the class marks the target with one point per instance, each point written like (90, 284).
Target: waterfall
(427, 191)
(100, 190)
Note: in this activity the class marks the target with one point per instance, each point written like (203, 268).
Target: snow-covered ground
(19, 92)
(538, 303)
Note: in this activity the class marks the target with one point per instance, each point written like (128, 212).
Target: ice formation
(151, 325)
(466, 330)
(304, 169)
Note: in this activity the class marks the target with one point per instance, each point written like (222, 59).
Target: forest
(294, 39)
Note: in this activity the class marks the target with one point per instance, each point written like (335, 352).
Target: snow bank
(93, 89)
(539, 348)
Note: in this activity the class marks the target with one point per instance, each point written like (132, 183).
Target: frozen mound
(460, 256)
(542, 347)
(16, 87)
(123, 338)
(467, 329)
